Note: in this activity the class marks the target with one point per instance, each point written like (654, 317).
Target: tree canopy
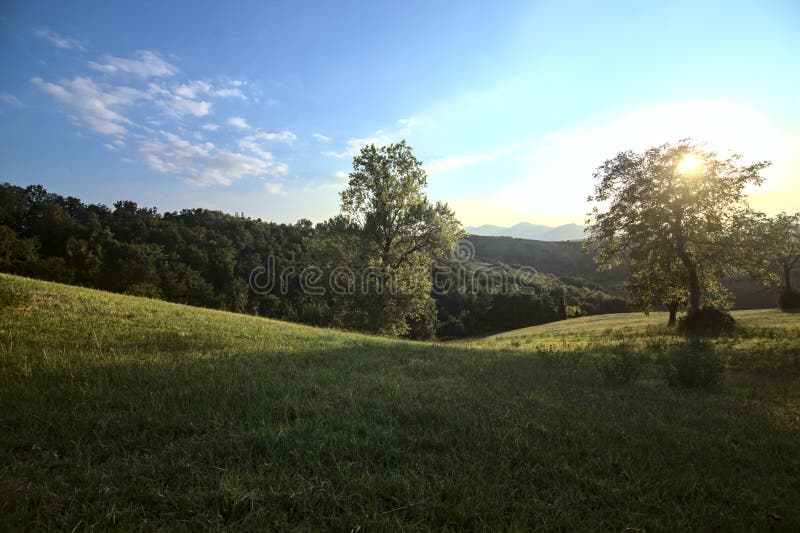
(673, 214)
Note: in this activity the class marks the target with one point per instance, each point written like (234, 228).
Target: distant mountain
(526, 230)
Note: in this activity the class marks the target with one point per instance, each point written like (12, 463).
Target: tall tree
(672, 213)
(384, 204)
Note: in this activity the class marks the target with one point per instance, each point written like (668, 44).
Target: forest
(204, 258)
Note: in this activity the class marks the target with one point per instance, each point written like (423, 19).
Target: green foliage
(780, 243)
(708, 321)
(397, 233)
(17, 255)
(679, 230)
(204, 258)
(693, 364)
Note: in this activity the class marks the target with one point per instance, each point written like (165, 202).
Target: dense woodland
(204, 258)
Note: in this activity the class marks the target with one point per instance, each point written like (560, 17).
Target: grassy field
(127, 412)
(638, 323)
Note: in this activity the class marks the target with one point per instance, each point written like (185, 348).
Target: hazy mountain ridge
(526, 230)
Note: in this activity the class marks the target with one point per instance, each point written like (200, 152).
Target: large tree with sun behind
(674, 215)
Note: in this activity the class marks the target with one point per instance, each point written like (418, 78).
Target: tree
(782, 248)
(673, 214)
(385, 208)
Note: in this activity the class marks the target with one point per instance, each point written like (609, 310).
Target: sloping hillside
(637, 322)
(560, 258)
(124, 412)
(566, 259)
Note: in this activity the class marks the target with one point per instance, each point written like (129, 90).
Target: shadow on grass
(383, 435)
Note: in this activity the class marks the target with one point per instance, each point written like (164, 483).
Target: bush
(789, 300)
(145, 289)
(707, 321)
(621, 367)
(694, 364)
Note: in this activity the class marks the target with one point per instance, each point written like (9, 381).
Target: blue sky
(260, 106)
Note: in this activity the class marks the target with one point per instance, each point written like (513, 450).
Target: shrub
(693, 364)
(621, 367)
(144, 288)
(708, 321)
(789, 300)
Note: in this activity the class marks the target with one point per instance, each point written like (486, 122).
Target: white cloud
(57, 40)
(283, 136)
(380, 138)
(229, 92)
(204, 163)
(238, 122)
(192, 89)
(252, 143)
(210, 127)
(180, 106)
(146, 65)
(10, 99)
(116, 145)
(353, 146)
(274, 188)
(195, 88)
(321, 138)
(97, 106)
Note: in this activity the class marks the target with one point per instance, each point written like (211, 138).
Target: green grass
(126, 412)
(654, 322)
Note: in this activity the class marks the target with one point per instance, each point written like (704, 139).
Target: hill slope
(566, 259)
(133, 413)
(637, 322)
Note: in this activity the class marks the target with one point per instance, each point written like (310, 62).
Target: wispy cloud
(353, 146)
(59, 41)
(379, 138)
(183, 106)
(204, 163)
(146, 64)
(116, 145)
(238, 122)
(281, 136)
(163, 132)
(254, 143)
(195, 88)
(444, 164)
(10, 100)
(97, 106)
(321, 138)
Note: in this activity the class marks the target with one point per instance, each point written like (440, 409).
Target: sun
(689, 164)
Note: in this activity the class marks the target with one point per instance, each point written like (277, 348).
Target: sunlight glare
(689, 164)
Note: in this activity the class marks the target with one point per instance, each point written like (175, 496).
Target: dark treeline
(205, 258)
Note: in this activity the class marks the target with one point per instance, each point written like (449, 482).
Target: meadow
(120, 411)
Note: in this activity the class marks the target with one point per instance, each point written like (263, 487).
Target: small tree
(782, 247)
(672, 214)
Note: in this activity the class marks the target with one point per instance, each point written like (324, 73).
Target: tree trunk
(673, 313)
(694, 282)
(787, 278)
(694, 291)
